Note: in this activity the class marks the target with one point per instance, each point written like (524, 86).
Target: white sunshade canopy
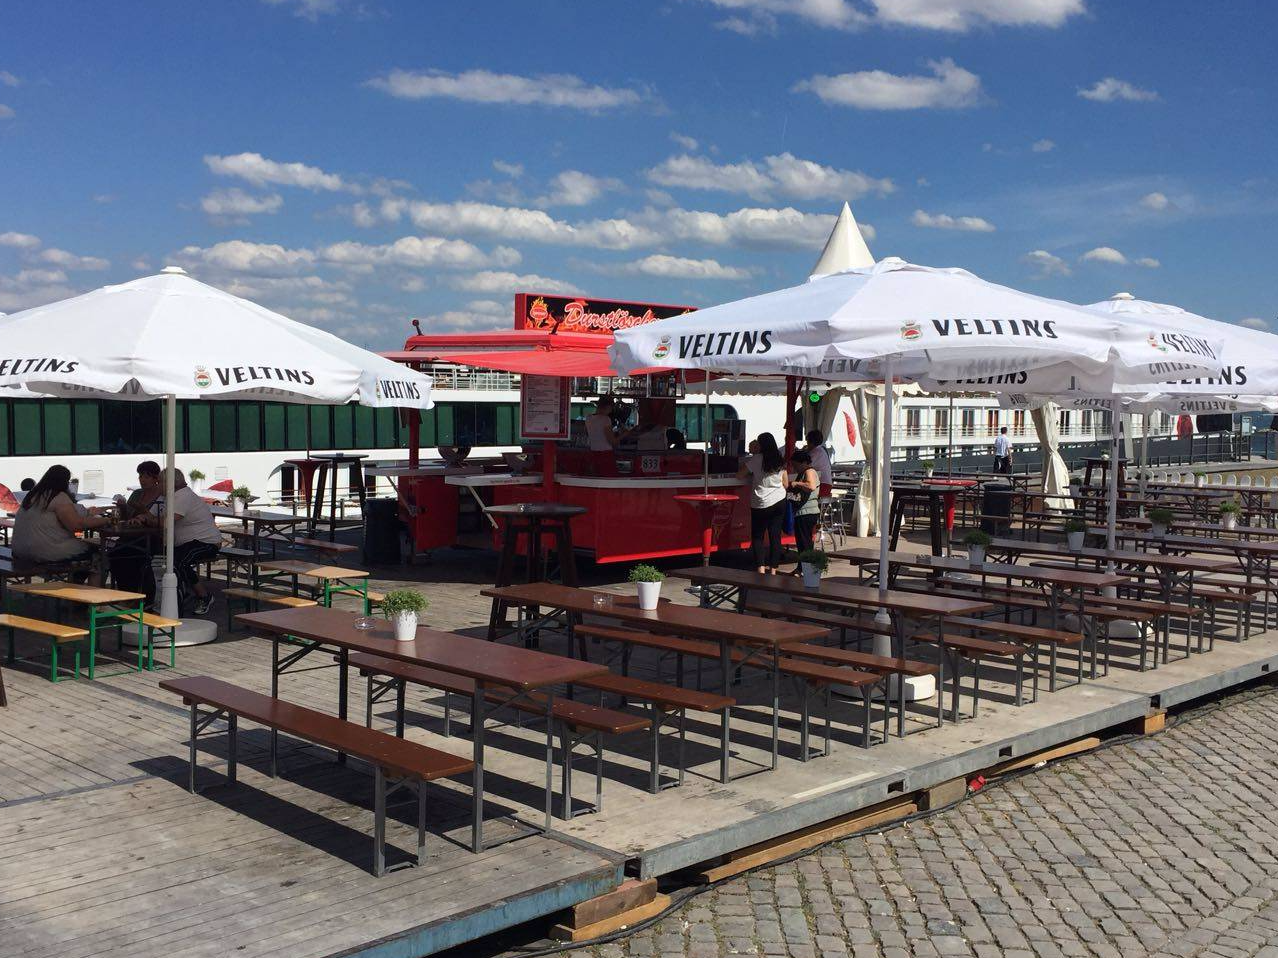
(1245, 379)
(945, 328)
(171, 335)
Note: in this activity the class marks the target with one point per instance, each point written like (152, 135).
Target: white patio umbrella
(895, 319)
(172, 337)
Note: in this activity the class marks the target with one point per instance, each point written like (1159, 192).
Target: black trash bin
(996, 508)
(381, 532)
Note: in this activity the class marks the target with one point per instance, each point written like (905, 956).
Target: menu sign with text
(576, 314)
(543, 407)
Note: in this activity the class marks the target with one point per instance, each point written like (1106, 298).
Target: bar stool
(534, 520)
(329, 464)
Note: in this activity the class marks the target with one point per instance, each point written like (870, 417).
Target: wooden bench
(255, 598)
(238, 558)
(57, 634)
(156, 623)
(976, 649)
(811, 611)
(323, 545)
(579, 723)
(402, 761)
(815, 676)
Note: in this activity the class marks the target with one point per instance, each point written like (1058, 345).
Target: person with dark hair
(821, 461)
(1002, 452)
(601, 437)
(196, 539)
(130, 558)
(27, 485)
(804, 489)
(44, 530)
(765, 468)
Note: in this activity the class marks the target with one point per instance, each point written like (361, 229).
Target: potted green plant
(648, 578)
(929, 467)
(1075, 533)
(404, 608)
(240, 497)
(1229, 515)
(977, 541)
(1159, 520)
(812, 565)
(1200, 477)
(196, 478)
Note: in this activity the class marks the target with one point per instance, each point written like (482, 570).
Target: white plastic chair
(1232, 481)
(1262, 482)
(1215, 479)
(1245, 481)
(1186, 478)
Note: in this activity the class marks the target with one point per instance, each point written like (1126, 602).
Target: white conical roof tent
(845, 249)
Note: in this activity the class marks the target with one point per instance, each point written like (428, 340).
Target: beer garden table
(316, 628)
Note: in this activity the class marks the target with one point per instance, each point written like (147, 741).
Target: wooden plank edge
(618, 922)
(804, 839)
(630, 894)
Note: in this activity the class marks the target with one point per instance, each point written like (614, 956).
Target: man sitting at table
(196, 539)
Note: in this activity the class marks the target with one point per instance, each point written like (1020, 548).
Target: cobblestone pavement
(1163, 846)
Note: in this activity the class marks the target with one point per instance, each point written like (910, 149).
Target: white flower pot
(405, 626)
(238, 506)
(1229, 520)
(1076, 540)
(649, 595)
(1200, 481)
(811, 575)
(1158, 529)
(976, 555)
(928, 472)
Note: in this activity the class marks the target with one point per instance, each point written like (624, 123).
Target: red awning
(536, 352)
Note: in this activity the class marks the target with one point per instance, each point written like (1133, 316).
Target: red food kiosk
(633, 512)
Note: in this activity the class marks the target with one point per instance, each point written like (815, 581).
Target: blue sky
(355, 163)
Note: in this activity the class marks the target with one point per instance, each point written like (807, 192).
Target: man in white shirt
(1002, 452)
(196, 539)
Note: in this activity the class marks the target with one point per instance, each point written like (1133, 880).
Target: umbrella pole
(705, 434)
(885, 486)
(1112, 516)
(168, 588)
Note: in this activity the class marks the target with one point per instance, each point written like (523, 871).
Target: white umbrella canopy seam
(172, 337)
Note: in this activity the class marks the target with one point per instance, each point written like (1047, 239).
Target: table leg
(332, 502)
(275, 693)
(93, 638)
(343, 660)
(550, 762)
(477, 754)
(317, 500)
(725, 664)
(776, 703)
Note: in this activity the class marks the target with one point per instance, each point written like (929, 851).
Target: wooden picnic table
(765, 637)
(909, 610)
(103, 605)
(490, 665)
(349, 581)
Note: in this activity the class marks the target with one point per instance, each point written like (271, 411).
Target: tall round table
(707, 504)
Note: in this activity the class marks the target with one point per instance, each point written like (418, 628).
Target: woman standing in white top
(765, 468)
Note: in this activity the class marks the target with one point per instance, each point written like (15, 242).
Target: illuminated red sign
(576, 314)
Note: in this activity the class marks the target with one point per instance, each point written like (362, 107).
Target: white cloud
(498, 282)
(513, 170)
(241, 256)
(943, 221)
(258, 170)
(417, 252)
(19, 240)
(683, 140)
(6, 112)
(8, 79)
(1110, 89)
(1045, 263)
(363, 215)
(1043, 146)
(949, 88)
(1155, 202)
(955, 16)
(30, 288)
(574, 188)
(64, 260)
(752, 226)
(1255, 322)
(235, 204)
(141, 264)
(517, 223)
(1148, 262)
(781, 175)
(484, 86)
(678, 267)
(41, 277)
(308, 9)
(1104, 254)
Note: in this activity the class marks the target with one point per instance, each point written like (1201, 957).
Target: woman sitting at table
(44, 530)
(765, 468)
(196, 539)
